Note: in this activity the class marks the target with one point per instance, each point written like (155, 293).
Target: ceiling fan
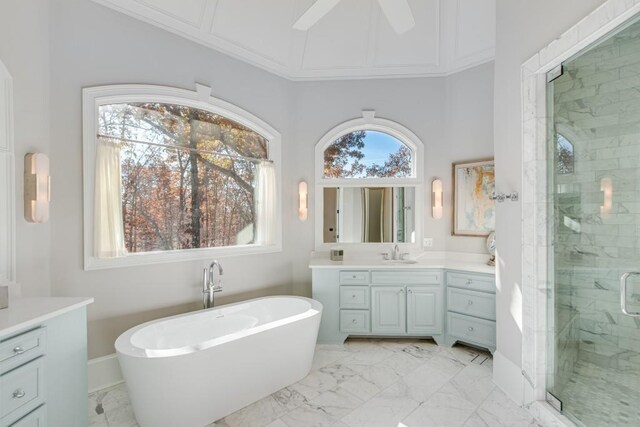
(397, 12)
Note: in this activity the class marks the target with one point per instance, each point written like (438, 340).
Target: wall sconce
(37, 187)
(606, 186)
(302, 201)
(437, 198)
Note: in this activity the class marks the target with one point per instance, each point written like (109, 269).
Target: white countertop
(23, 313)
(476, 263)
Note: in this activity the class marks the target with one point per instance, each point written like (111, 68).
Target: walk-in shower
(594, 230)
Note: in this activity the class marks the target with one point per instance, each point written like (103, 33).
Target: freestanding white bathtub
(195, 368)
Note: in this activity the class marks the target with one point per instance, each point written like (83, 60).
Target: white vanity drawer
(353, 321)
(472, 281)
(407, 277)
(354, 297)
(472, 329)
(37, 418)
(21, 390)
(354, 277)
(472, 303)
(19, 349)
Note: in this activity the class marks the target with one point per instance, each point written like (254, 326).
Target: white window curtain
(108, 229)
(265, 200)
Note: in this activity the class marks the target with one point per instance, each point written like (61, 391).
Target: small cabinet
(413, 310)
(424, 310)
(471, 309)
(388, 310)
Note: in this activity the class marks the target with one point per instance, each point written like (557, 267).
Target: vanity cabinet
(471, 309)
(43, 363)
(379, 303)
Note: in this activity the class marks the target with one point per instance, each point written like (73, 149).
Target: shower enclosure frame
(535, 241)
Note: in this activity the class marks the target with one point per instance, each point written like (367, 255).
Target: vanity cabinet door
(388, 310)
(424, 310)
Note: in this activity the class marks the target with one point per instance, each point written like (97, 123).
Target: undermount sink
(400, 261)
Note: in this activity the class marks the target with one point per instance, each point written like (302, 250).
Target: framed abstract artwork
(474, 212)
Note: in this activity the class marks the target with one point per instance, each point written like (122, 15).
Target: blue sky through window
(378, 146)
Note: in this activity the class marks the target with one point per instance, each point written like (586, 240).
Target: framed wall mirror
(369, 214)
(369, 184)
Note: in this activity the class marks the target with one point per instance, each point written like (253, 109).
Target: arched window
(367, 154)
(172, 176)
(369, 183)
(564, 155)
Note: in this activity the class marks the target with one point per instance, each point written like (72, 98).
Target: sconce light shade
(606, 186)
(302, 201)
(37, 187)
(437, 198)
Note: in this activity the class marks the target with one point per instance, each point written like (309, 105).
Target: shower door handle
(623, 293)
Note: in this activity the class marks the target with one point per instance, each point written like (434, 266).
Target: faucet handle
(385, 255)
(403, 255)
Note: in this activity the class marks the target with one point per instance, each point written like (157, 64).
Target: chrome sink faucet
(209, 287)
(395, 253)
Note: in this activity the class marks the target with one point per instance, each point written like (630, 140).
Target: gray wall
(453, 117)
(79, 43)
(24, 49)
(92, 45)
(523, 28)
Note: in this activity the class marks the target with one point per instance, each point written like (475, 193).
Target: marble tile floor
(599, 396)
(366, 383)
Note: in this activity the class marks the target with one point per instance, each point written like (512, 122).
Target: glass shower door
(594, 186)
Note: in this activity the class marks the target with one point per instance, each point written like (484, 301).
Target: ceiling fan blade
(317, 10)
(398, 14)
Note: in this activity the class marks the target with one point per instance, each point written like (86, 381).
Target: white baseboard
(104, 372)
(508, 376)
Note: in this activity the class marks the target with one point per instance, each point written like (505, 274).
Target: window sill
(150, 258)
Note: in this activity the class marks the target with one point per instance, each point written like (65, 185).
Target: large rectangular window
(171, 176)
(188, 176)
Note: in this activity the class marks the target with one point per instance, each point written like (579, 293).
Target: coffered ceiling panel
(353, 40)
(341, 38)
(257, 29)
(190, 12)
(418, 47)
(472, 39)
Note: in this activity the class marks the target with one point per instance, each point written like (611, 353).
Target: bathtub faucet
(209, 287)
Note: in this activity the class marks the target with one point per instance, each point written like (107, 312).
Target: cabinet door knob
(353, 320)
(469, 282)
(470, 328)
(353, 295)
(409, 290)
(402, 290)
(19, 394)
(18, 350)
(470, 302)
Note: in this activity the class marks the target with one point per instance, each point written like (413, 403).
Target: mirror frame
(368, 121)
(7, 179)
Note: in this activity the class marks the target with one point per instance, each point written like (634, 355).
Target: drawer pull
(19, 394)
(18, 350)
(469, 282)
(353, 277)
(470, 302)
(353, 321)
(470, 328)
(353, 295)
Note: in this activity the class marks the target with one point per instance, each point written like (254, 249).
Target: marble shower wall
(597, 109)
